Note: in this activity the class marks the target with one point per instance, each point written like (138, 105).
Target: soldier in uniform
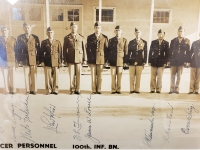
(51, 52)
(74, 54)
(7, 60)
(178, 57)
(97, 47)
(117, 52)
(194, 67)
(137, 57)
(27, 49)
(158, 57)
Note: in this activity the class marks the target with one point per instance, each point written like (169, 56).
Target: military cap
(137, 30)
(49, 29)
(118, 27)
(181, 28)
(73, 24)
(161, 31)
(3, 27)
(97, 24)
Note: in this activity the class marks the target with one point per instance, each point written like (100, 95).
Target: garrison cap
(137, 30)
(49, 29)
(181, 28)
(118, 27)
(73, 24)
(97, 24)
(161, 31)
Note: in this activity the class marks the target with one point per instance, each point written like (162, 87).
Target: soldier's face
(181, 33)
(97, 29)
(118, 33)
(138, 34)
(50, 34)
(74, 28)
(28, 29)
(161, 36)
(5, 32)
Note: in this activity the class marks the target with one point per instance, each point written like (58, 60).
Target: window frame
(170, 16)
(102, 22)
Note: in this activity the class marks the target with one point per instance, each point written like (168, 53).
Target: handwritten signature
(148, 138)
(189, 117)
(49, 119)
(27, 134)
(169, 126)
(77, 124)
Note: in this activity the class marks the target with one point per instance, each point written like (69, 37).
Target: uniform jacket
(195, 55)
(179, 52)
(51, 53)
(27, 50)
(158, 54)
(117, 51)
(137, 52)
(74, 49)
(7, 52)
(97, 49)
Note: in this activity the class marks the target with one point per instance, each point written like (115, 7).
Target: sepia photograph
(99, 74)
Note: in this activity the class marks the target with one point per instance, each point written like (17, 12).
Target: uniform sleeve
(145, 52)
(109, 51)
(88, 48)
(130, 53)
(41, 53)
(60, 53)
(18, 50)
(167, 50)
(188, 52)
(125, 51)
(150, 52)
(84, 51)
(170, 50)
(106, 50)
(37, 45)
(65, 50)
(191, 53)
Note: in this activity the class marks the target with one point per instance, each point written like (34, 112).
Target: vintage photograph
(99, 74)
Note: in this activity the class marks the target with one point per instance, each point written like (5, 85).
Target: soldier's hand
(168, 63)
(125, 65)
(164, 65)
(135, 63)
(149, 64)
(106, 64)
(84, 62)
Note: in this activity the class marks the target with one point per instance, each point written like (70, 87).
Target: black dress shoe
(77, 92)
(113, 92)
(196, 93)
(55, 93)
(170, 92)
(98, 92)
(137, 92)
(152, 92)
(51, 93)
(31, 92)
(177, 92)
(11, 93)
(118, 92)
(131, 92)
(158, 92)
(190, 93)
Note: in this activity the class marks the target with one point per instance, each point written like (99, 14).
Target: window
(162, 16)
(35, 14)
(107, 14)
(18, 13)
(73, 15)
(57, 14)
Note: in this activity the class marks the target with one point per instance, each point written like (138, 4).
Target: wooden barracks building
(147, 15)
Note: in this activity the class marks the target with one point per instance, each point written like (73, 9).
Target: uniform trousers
(96, 76)
(30, 78)
(51, 79)
(176, 72)
(194, 79)
(156, 78)
(135, 76)
(8, 78)
(74, 76)
(116, 76)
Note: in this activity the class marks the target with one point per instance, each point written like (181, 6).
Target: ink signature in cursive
(27, 133)
(148, 137)
(89, 121)
(50, 119)
(189, 117)
(166, 138)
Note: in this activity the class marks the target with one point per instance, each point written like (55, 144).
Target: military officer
(194, 67)
(27, 49)
(137, 57)
(158, 57)
(51, 51)
(178, 57)
(7, 60)
(117, 52)
(74, 54)
(97, 47)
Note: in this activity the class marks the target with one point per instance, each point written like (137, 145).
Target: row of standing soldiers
(99, 52)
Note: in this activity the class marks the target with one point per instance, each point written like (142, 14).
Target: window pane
(76, 11)
(70, 12)
(76, 18)
(70, 18)
(57, 14)
(161, 17)
(18, 13)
